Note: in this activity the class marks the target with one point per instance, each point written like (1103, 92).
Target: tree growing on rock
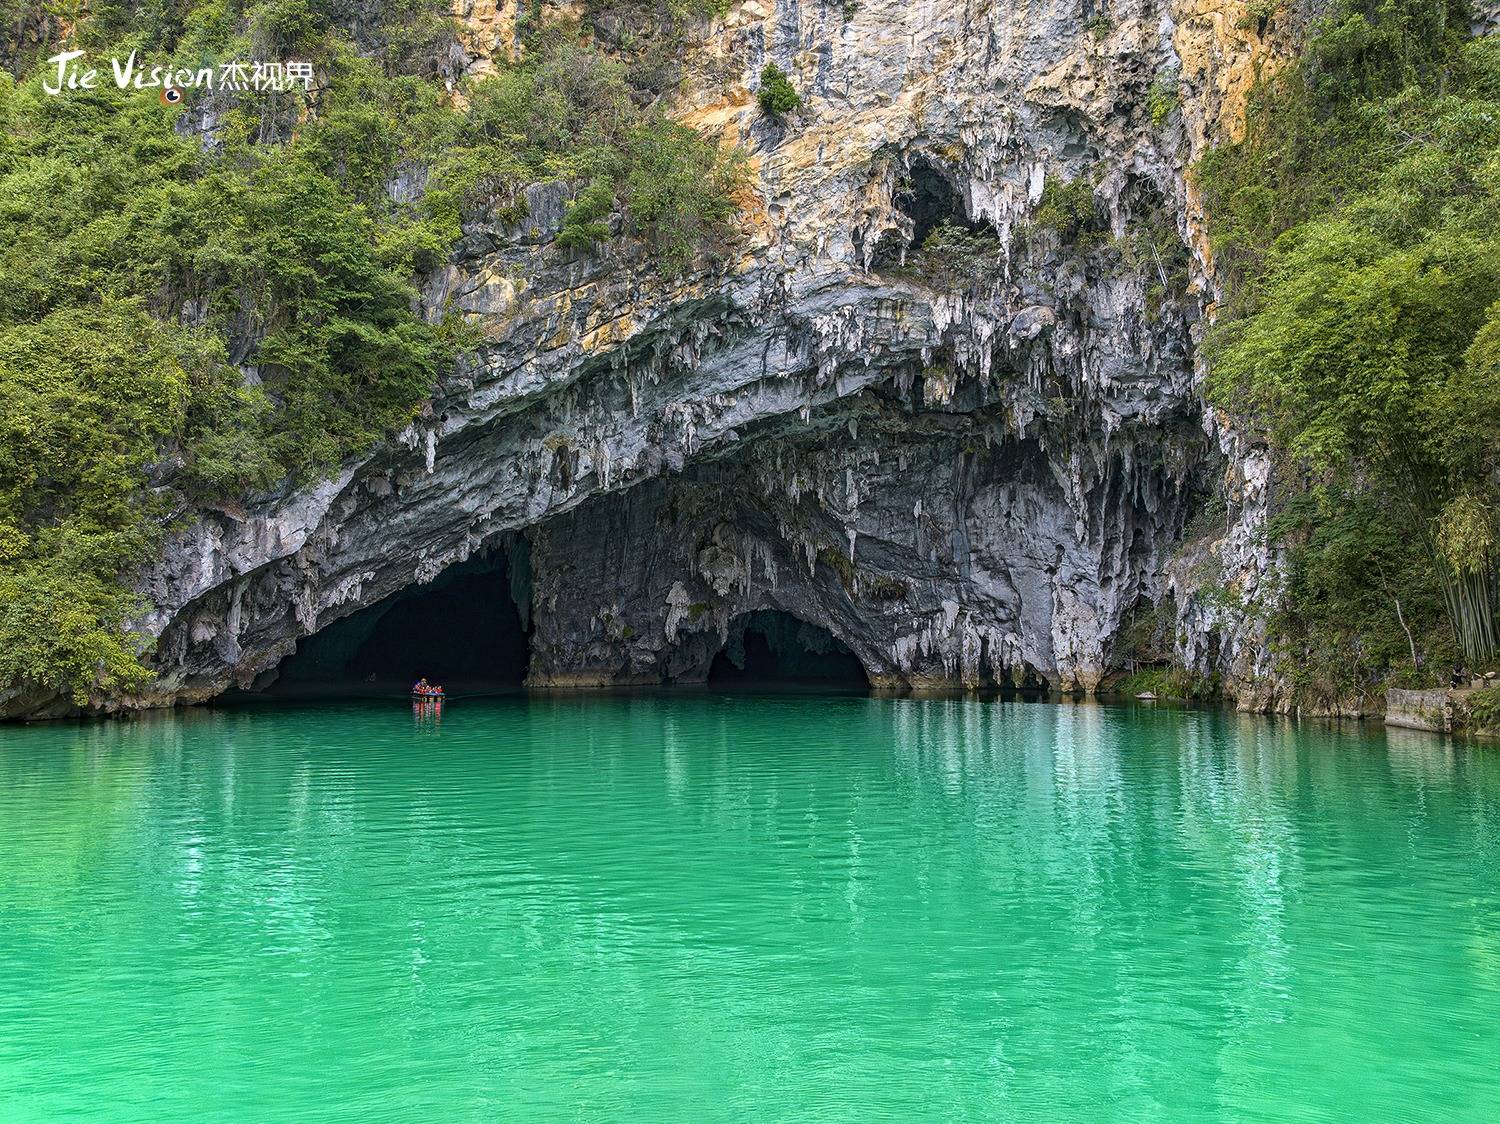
(777, 95)
(1368, 343)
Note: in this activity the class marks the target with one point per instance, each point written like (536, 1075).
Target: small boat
(426, 696)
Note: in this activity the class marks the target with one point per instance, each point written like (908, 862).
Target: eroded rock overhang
(1015, 459)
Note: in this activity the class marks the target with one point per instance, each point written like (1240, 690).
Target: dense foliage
(957, 257)
(1358, 228)
(1069, 208)
(200, 302)
(1484, 709)
(777, 95)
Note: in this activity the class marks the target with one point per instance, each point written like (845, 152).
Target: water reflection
(782, 906)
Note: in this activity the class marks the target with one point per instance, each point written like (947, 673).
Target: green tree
(584, 217)
(90, 399)
(777, 95)
(1366, 342)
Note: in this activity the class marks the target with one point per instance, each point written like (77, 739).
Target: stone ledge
(1419, 710)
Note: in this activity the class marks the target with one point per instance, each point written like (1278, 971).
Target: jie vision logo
(70, 70)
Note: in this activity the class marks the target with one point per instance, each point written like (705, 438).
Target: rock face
(966, 478)
(939, 547)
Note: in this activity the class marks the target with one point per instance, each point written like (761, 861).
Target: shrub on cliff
(1068, 207)
(777, 95)
(583, 219)
(1162, 98)
(679, 192)
(954, 256)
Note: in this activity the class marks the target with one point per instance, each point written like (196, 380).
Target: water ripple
(741, 908)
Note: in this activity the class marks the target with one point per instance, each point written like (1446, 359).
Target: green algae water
(745, 908)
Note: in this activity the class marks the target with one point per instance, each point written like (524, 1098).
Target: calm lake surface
(745, 908)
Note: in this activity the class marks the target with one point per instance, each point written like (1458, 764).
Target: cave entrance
(768, 648)
(929, 198)
(468, 629)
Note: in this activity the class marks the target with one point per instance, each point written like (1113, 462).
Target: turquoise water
(737, 908)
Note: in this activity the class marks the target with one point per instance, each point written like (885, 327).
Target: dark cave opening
(772, 648)
(929, 198)
(468, 630)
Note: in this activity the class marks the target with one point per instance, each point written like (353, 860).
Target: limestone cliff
(965, 480)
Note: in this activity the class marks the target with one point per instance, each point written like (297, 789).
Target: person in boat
(421, 687)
